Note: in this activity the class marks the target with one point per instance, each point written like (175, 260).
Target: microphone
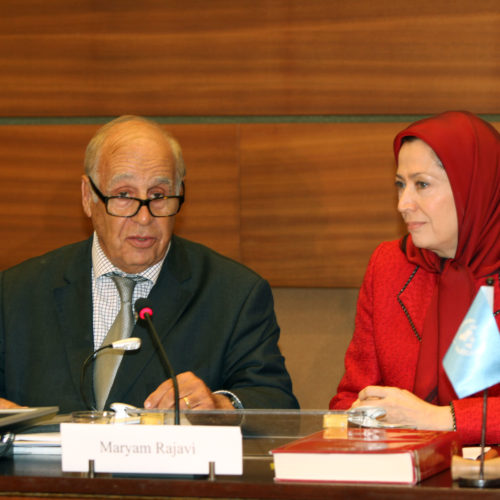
(145, 312)
(130, 344)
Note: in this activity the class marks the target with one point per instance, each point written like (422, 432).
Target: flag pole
(490, 283)
(483, 434)
(480, 481)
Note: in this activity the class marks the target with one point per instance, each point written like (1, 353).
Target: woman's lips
(413, 226)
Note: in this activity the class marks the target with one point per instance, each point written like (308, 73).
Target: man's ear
(86, 196)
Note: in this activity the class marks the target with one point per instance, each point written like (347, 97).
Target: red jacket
(384, 349)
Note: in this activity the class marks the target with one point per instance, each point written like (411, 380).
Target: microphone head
(130, 344)
(142, 308)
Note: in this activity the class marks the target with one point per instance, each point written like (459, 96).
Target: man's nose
(143, 216)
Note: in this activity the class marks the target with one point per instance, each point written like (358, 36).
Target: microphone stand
(166, 363)
(129, 344)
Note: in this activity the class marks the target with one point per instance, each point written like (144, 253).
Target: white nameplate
(151, 449)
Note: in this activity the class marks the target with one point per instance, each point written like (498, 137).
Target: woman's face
(426, 200)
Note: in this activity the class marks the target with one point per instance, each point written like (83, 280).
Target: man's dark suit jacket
(214, 316)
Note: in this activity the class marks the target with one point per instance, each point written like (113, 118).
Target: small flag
(472, 361)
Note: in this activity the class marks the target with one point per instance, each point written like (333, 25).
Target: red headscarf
(469, 149)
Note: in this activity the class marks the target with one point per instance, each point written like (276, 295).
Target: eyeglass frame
(142, 202)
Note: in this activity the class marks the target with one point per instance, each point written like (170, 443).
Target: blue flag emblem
(472, 361)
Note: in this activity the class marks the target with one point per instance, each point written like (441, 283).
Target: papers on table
(46, 443)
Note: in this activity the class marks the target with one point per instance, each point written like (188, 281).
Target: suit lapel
(73, 301)
(172, 292)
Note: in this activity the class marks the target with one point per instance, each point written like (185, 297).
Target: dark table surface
(36, 476)
(31, 476)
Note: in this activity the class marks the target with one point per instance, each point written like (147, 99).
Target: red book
(357, 455)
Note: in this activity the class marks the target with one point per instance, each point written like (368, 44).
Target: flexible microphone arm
(145, 312)
(130, 344)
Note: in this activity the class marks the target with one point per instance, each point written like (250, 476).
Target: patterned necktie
(108, 360)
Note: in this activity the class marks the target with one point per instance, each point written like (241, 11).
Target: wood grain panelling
(250, 57)
(316, 200)
(40, 169)
(211, 214)
(302, 204)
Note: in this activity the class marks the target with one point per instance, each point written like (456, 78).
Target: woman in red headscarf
(416, 291)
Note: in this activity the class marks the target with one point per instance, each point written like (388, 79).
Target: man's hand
(5, 404)
(193, 395)
(405, 409)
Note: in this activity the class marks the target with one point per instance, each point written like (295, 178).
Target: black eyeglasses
(126, 206)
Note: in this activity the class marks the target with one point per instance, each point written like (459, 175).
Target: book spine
(435, 457)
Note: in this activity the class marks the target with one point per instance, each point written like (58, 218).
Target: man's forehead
(130, 176)
(135, 139)
(140, 148)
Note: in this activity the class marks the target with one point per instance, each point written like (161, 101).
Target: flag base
(478, 483)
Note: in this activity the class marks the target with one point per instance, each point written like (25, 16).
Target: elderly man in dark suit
(214, 316)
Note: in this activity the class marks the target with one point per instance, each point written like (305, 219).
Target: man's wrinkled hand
(193, 395)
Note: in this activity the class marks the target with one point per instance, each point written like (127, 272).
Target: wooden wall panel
(251, 57)
(40, 169)
(302, 204)
(211, 213)
(40, 204)
(316, 200)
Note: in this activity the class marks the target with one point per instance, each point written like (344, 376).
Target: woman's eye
(123, 194)
(421, 184)
(399, 184)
